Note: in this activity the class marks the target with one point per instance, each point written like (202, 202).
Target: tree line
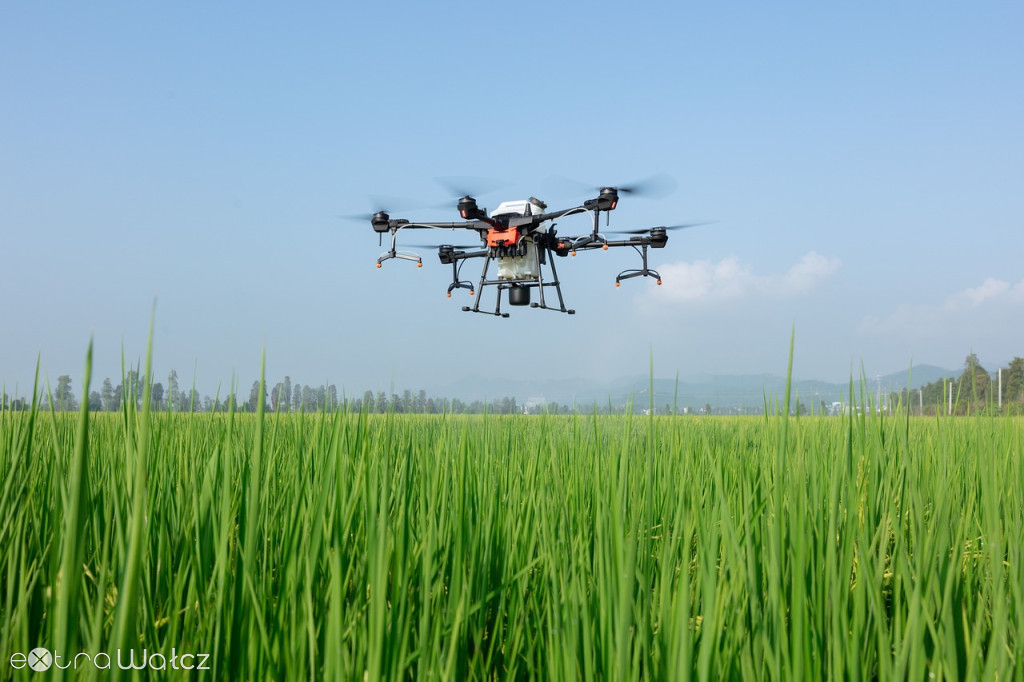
(974, 391)
(284, 396)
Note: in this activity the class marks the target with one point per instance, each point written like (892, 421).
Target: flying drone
(518, 241)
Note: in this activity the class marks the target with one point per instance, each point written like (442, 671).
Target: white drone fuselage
(528, 265)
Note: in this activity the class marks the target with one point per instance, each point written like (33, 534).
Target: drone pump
(518, 295)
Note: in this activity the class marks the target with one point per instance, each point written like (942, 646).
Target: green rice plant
(339, 545)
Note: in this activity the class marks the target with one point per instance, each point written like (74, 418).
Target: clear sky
(862, 163)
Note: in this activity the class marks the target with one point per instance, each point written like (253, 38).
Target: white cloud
(990, 288)
(728, 279)
(808, 273)
(992, 301)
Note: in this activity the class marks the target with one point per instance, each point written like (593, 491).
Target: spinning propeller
(645, 230)
(519, 241)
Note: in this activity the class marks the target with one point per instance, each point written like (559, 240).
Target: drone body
(519, 267)
(518, 245)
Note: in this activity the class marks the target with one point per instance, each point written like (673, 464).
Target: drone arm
(640, 244)
(590, 242)
(478, 225)
(447, 256)
(554, 215)
(635, 241)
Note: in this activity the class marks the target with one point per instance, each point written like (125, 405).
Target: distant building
(534, 405)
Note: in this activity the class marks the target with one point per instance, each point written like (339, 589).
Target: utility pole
(950, 413)
(999, 393)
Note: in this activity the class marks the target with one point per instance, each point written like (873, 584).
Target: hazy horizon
(464, 385)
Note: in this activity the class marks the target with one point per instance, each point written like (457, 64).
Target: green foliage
(351, 545)
(64, 396)
(1013, 386)
(975, 386)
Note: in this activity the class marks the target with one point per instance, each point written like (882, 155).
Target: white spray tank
(525, 266)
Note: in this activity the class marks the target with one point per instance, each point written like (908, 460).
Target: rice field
(362, 547)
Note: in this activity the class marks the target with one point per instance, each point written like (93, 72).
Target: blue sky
(862, 165)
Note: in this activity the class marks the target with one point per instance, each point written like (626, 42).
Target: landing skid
(527, 283)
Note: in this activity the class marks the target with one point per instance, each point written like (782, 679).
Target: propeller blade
(561, 186)
(654, 187)
(681, 226)
(357, 217)
(380, 202)
(468, 186)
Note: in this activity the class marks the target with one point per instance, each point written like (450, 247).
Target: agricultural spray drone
(518, 241)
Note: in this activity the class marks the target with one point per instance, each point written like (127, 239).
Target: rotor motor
(381, 221)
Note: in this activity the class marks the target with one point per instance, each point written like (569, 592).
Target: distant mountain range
(747, 391)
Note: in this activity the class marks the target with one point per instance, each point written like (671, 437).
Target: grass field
(354, 546)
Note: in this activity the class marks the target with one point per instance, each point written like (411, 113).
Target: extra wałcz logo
(42, 659)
